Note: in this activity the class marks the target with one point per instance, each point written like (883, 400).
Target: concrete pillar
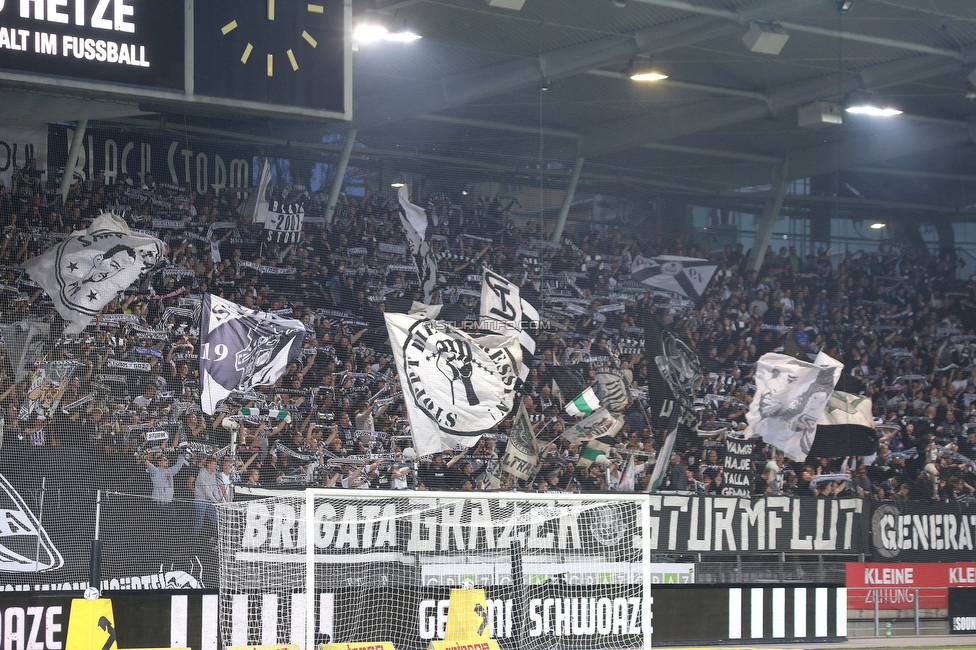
(74, 150)
(769, 216)
(340, 176)
(568, 200)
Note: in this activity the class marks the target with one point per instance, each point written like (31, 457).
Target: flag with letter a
(241, 349)
(455, 386)
(91, 267)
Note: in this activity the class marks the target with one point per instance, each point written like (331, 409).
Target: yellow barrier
(467, 623)
(91, 625)
(262, 647)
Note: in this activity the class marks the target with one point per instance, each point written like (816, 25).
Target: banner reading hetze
(895, 584)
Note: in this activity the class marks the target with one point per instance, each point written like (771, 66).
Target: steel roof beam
(500, 78)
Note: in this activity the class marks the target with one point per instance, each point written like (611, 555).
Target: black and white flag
(686, 276)
(790, 397)
(414, 221)
(25, 342)
(845, 428)
(241, 349)
(91, 267)
(455, 386)
(502, 309)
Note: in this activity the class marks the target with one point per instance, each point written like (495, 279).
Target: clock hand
(271, 9)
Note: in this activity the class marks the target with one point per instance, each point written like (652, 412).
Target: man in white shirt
(225, 481)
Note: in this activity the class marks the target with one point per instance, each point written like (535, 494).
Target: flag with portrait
(790, 397)
(241, 349)
(91, 267)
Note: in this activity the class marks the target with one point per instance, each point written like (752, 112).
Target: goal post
(323, 566)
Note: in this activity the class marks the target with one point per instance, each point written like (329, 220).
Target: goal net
(351, 566)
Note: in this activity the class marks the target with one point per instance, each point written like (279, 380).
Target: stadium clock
(286, 52)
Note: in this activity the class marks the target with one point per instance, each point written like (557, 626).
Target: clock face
(282, 52)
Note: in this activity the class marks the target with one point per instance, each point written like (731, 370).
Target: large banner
(49, 522)
(19, 145)
(678, 524)
(923, 531)
(202, 166)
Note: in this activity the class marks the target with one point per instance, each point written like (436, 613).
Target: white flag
(257, 209)
(627, 481)
(414, 221)
(521, 458)
(597, 424)
(25, 341)
(241, 349)
(790, 397)
(455, 386)
(91, 267)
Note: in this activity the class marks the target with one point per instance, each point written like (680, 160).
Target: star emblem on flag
(686, 276)
(92, 295)
(72, 266)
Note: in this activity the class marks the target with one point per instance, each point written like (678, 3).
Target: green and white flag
(584, 404)
(274, 414)
(593, 450)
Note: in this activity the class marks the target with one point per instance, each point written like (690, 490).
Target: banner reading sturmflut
(241, 349)
(91, 267)
(455, 386)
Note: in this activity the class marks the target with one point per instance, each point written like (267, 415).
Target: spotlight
(620, 4)
(874, 111)
(644, 71)
(866, 104)
(369, 33)
(844, 6)
(544, 86)
(397, 185)
(878, 225)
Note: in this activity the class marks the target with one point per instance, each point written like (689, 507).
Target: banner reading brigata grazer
(677, 524)
(923, 531)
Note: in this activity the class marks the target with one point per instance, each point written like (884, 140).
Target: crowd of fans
(900, 321)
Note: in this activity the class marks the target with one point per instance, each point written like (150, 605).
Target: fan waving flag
(241, 349)
(845, 428)
(584, 404)
(790, 398)
(91, 267)
(455, 386)
(687, 276)
(414, 221)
